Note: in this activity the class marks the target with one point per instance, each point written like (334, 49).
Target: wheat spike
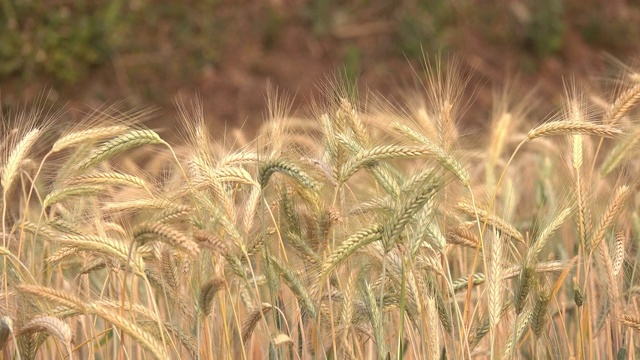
(462, 236)
(539, 314)
(268, 168)
(523, 321)
(540, 267)
(51, 325)
(104, 245)
(208, 291)
(295, 284)
(350, 245)
(210, 242)
(54, 296)
(495, 281)
(463, 282)
(619, 152)
(615, 207)
(17, 156)
(492, 220)
(140, 204)
(375, 318)
(76, 190)
(632, 321)
(132, 329)
(623, 104)
(164, 233)
(87, 136)
(370, 156)
(545, 234)
(440, 155)
(618, 253)
(61, 254)
(525, 283)
(252, 320)
(109, 178)
(6, 328)
(119, 144)
(572, 127)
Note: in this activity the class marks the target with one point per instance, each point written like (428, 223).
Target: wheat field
(368, 230)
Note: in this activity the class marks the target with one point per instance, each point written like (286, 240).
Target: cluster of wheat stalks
(366, 231)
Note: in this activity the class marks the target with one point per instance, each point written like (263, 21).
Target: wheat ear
(132, 329)
(350, 245)
(440, 155)
(545, 234)
(109, 178)
(618, 253)
(18, 154)
(525, 283)
(51, 325)
(615, 207)
(164, 233)
(119, 144)
(539, 314)
(252, 320)
(6, 329)
(208, 291)
(87, 136)
(58, 297)
(295, 284)
(287, 167)
(619, 152)
(103, 245)
(76, 190)
(621, 106)
(377, 153)
(493, 220)
(572, 127)
(632, 321)
(495, 281)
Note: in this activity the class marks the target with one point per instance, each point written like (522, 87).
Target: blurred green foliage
(62, 39)
(547, 26)
(425, 26)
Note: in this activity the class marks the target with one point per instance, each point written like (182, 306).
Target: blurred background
(146, 52)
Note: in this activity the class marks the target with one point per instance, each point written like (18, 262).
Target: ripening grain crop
(363, 231)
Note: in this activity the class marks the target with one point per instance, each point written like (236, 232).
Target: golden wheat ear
(6, 329)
